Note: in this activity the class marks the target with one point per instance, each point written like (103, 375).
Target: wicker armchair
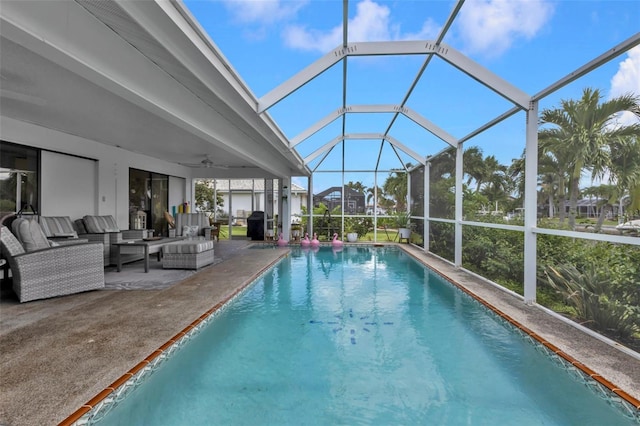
(54, 271)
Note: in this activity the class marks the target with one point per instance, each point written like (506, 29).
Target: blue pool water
(366, 336)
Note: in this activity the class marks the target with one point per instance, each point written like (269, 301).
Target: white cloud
(490, 27)
(627, 81)
(263, 11)
(372, 22)
(299, 37)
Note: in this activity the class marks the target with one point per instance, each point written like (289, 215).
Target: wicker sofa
(50, 271)
(60, 229)
(104, 229)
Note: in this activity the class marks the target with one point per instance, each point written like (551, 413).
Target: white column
(408, 197)
(530, 204)
(310, 205)
(215, 201)
(458, 207)
(425, 236)
(375, 206)
(284, 191)
(230, 221)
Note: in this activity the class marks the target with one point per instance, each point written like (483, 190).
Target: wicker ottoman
(187, 254)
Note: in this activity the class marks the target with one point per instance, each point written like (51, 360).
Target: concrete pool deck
(57, 354)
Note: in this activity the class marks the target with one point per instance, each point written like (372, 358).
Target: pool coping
(107, 398)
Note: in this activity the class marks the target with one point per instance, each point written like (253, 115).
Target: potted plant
(403, 223)
(295, 231)
(349, 229)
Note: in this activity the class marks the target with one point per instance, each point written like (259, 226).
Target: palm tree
(474, 166)
(625, 169)
(582, 133)
(497, 186)
(442, 184)
(515, 172)
(396, 187)
(607, 196)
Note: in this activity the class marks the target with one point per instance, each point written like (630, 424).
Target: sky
(528, 43)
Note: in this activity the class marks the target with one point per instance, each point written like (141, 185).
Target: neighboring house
(590, 207)
(243, 196)
(354, 201)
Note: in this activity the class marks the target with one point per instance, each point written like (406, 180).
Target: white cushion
(100, 224)
(188, 247)
(30, 234)
(190, 230)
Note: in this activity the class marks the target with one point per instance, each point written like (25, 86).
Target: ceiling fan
(206, 163)
(18, 96)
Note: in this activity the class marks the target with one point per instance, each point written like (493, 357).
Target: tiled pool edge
(606, 389)
(98, 406)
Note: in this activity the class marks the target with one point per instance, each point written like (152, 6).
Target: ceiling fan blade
(10, 94)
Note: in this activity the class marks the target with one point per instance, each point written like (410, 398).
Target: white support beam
(430, 126)
(629, 43)
(377, 48)
(300, 79)
(484, 76)
(411, 153)
(365, 136)
(331, 58)
(531, 204)
(316, 127)
(381, 48)
(427, 213)
(308, 159)
(458, 207)
(408, 198)
(373, 109)
(490, 124)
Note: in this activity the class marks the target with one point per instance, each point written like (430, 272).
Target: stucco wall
(111, 196)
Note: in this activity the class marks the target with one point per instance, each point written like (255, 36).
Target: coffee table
(150, 246)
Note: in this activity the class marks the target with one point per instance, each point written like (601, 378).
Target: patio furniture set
(54, 256)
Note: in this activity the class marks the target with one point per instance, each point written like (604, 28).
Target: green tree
(607, 195)
(474, 166)
(204, 196)
(442, 185)
(396, 188)
(356, 186)
(625, 169)
(497, 186)
(581, 134)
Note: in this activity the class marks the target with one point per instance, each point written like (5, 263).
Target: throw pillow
(100, 224)
(30, 234)
(190, 231)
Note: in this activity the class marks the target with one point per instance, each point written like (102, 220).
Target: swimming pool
(362, 336)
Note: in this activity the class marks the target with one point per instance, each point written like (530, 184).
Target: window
(19, 171)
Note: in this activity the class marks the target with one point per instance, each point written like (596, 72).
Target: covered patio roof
(140, 76)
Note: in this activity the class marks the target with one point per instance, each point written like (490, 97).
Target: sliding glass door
(148, 193)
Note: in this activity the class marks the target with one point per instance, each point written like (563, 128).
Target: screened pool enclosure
(492, 191)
